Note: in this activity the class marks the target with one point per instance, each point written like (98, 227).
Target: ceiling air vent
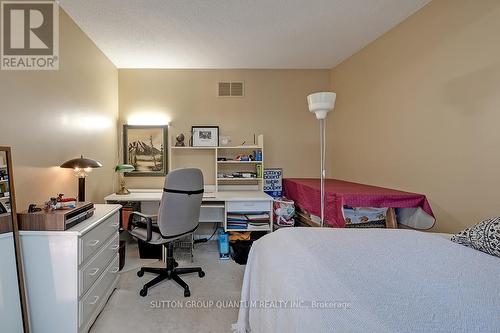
(231, 89)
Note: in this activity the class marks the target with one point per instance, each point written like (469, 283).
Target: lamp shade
(124, 168)
(321, 103)
(81, 163)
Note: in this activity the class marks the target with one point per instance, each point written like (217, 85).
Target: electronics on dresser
(56, 220)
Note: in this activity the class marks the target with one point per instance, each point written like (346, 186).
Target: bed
(359, 280)
(413, 209)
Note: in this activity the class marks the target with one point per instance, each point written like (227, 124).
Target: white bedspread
(381, 280)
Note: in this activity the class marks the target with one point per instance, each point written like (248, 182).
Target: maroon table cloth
(305, 192)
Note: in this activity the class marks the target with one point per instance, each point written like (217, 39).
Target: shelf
(267, 228)
(4, 198)
(220, 147)
(189, 156)
(3, 181)
(239, 162)
(3, 167)
(241, 179)
(194, 148)
(212, 205)
(240, 147)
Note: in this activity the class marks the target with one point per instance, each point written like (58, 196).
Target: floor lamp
(320, 104)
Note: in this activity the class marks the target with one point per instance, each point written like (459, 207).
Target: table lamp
(82, 166)
(320, 104)
(122, 169)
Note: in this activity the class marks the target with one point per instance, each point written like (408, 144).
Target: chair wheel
(143, 292)
(140, 273)
(201, 274)
(187, 293)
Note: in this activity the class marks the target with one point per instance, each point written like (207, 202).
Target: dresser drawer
(248, 206)
(91, 272)
(92, 241)
(95, 298)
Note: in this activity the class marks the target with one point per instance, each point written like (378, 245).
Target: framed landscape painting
(146, 147)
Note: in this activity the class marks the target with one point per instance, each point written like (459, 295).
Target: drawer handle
(94, 271)
(115, 270)
(94, 242)
(115, 247)
(96, 298)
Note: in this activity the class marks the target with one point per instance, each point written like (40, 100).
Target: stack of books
(237, 221)
(248, 221)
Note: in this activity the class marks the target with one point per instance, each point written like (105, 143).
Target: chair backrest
(181, 201)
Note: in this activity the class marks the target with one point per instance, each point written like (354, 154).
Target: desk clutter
(239, 163)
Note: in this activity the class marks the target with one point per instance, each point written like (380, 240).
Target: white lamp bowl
(321, 103)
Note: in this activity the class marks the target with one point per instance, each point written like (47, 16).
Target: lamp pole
(322, 133)
(81, 189)
(320, 104)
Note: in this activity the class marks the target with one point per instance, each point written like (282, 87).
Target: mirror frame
(17, 241)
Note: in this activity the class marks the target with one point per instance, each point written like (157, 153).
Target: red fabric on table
(305, 192)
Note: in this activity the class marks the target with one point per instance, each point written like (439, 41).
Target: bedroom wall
(274, 105)
(49, 117)
(419, 108)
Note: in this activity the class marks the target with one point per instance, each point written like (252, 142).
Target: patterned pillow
(484, 236)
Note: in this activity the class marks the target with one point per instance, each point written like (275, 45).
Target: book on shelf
(259, 227)
(236, 217)
(258, 217)
(258, 222)
(236, 226)
(237, 221)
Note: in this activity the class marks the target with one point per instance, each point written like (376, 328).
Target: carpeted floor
(209, 309)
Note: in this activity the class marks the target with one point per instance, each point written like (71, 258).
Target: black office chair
(178, 217)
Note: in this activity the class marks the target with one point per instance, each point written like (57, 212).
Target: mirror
(12, 300)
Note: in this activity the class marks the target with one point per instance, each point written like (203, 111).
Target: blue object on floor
(223, 244)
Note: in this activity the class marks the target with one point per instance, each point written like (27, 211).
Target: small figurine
(180, 140)
(224, 140)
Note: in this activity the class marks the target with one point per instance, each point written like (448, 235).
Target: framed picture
(205, 136)
(146, 147)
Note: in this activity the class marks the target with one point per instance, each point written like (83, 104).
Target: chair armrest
(143, 220)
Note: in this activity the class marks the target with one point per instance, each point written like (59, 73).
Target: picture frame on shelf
(146, 148)
(205, 136)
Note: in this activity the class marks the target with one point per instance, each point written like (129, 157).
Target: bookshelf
(217, 172)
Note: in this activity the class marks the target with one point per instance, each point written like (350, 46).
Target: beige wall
(419, 109)
(51, 116)
(274, 105)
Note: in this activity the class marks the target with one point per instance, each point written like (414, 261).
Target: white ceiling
(235, 33)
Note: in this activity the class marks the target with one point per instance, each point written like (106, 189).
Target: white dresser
(71, 274)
